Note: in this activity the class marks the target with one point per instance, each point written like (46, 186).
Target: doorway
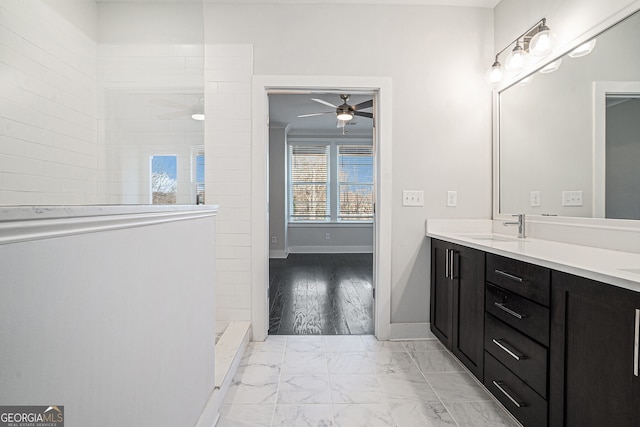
(263, 86)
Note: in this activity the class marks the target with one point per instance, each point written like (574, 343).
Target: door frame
(262, 86)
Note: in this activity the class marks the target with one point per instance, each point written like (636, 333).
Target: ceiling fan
(344, 112)
(196, 111)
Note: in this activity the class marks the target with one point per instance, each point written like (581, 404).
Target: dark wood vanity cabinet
(457, 301)
(594, 354)
(556, 349)
(516, 339)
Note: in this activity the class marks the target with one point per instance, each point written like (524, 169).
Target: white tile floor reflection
(352, 381)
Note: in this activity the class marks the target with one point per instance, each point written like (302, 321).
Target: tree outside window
(164, 184)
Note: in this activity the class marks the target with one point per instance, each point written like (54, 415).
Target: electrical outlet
(412, 198)
(572, 198)
(327, 236)
(452, 198)
(274, 239)
(534, 198)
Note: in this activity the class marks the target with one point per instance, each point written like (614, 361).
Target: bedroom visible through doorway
(321, 213)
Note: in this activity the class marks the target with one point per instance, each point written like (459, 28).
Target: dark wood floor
(321, 294)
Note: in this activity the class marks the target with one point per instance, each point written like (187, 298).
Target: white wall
(117, 325)
(442, 128)
(48, 108)
(277, 191)
(81, 13)
(150, 22)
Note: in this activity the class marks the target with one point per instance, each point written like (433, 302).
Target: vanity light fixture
(583, 50)
(516, 58)
(537, 40)
(542, 43)
(551, 67)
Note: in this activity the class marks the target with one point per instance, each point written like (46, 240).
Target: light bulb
(583, 49)
(543, 42)
(516, 59)
(345, 116)
(494, 74)
(551, 67)
(197, 116)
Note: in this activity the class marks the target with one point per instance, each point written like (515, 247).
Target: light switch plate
(412, 198)
(534, 198)
(452, 198)
(572, 198)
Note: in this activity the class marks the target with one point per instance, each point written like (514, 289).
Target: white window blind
(309, 183)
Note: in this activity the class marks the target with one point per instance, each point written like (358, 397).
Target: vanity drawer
(528, 280)
(524, 315)
(523, 356)
(519, 399)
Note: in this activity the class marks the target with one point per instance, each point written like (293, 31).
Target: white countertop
(617, 268)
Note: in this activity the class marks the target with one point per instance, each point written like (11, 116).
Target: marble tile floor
(353, 381)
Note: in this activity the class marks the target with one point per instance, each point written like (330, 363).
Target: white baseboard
(410, 331)
(330, 249)
(278, 254)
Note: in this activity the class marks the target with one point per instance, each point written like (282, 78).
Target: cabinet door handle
(510, 276)
(636, 343)
(503, 345)
(446, 263)
(515, 402)
(451, 264)
(502, 307)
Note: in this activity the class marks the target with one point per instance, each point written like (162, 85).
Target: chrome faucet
(519, 223)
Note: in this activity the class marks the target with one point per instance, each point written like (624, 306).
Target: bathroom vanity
(551, 329)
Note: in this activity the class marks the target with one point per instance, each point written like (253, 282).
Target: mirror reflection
(569, 141)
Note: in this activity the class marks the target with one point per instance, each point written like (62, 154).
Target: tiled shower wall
(48, 127)
(228, 75)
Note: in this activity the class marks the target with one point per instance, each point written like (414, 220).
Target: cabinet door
(468, 308)
(592, 354)
(441, 292)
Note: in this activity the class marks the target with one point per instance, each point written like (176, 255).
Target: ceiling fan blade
(316, 114)
(328, 104)
(363, 114)
(363, 105)
(176, 115)
(168, 103)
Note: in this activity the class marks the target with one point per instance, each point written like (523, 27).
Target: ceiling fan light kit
(538, 40)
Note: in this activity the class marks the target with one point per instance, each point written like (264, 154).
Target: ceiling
(284, 109)
(470, 3)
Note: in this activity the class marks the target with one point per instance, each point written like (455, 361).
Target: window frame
(333, 179)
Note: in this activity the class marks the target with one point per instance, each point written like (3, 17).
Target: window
(197, 174)
(308, 183)
(330, 182)
(164, 185)
(355, 172)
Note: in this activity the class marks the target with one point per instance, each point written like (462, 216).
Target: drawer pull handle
(636, 343)
(502, 307)
(515, 402)
(510, 276)
(513, 353)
